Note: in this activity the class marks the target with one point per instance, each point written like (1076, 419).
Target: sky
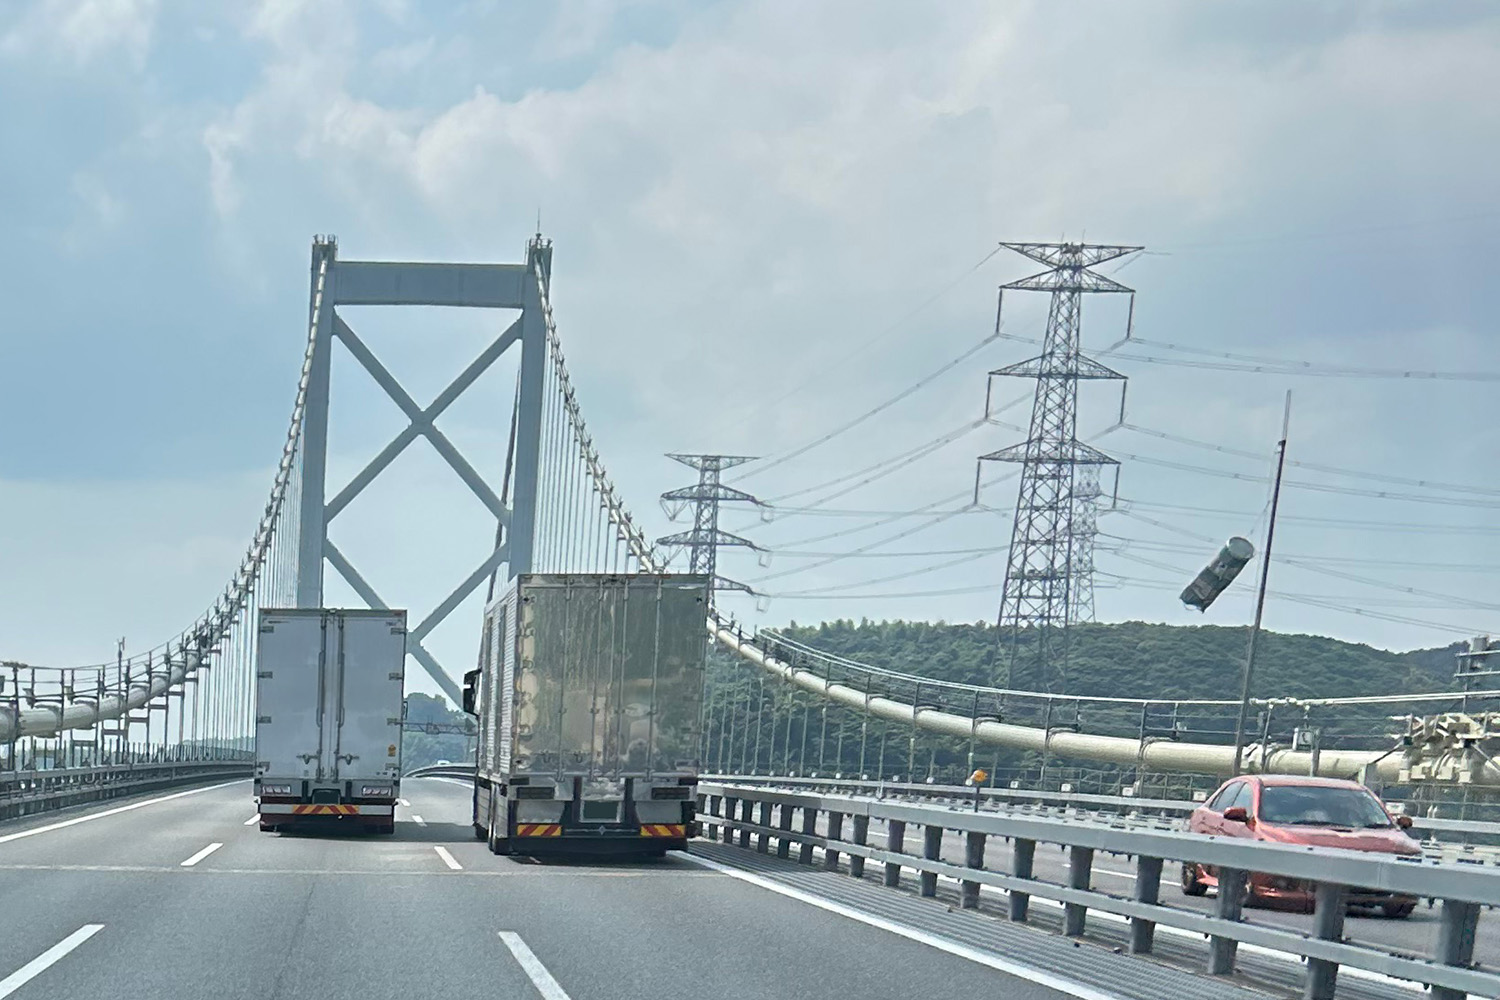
(769, 219)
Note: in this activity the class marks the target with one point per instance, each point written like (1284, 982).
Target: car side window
(1241, 797)
(1225, 796)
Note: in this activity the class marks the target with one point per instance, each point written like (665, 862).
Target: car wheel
(1397, 911)
(1190, 884)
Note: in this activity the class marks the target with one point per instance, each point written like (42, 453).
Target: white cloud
(83, 30)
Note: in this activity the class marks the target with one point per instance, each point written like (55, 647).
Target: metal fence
(23, 793)
(744, 812)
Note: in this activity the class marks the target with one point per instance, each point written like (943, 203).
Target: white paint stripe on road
(111, 812)
(533, 967)
(252, 821)
(1026, 972)
(46, 959)
(190, 862)
(442, 852)
(403, 802)
(418, 820)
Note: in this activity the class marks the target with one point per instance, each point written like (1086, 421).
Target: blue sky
(749, 198)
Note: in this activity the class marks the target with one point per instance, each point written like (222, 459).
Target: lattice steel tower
(1037, 601)
(704, 540)
(1086, 494)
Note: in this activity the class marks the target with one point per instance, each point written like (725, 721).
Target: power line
(1312, 466)
(1332, 522)
(893, 328)
(892, 401)
(924, 448)
(784, 554)
(817, 596)
(946, 564)
(1314, 487)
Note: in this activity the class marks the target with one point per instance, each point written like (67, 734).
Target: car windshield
(1290, 805)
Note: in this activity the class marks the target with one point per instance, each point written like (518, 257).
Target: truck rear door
(368, 680)
(289, 676)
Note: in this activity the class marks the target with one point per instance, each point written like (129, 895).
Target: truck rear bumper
(326, 809)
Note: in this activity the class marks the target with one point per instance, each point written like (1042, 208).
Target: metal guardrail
(727, 809)
(24, 793)
(442, 771)
(992, 797)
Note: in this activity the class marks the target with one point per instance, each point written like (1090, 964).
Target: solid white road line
(46, 959)
(252, 821)
(111, 812)
(1041, 977)
(442, 852)
(418, 820)
(533, 967)
(403, 802)
(190, 862)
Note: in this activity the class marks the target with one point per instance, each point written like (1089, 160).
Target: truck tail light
(672, 792)
(275, 790)
(376, 791)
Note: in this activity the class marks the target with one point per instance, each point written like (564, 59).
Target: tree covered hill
(1144, 660)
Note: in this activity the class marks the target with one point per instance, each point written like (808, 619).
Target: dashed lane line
(46, 959)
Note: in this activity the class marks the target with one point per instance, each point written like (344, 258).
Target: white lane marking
(190, 862)
(1021, 971)
(418, 820)
(46, 959)
(442, 852)
(533, 967)
(403, 802)
(112, 812)
(252, 821)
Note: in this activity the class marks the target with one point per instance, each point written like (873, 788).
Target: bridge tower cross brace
(335, 283)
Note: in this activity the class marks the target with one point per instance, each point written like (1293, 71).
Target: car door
(1244, 798)
(1213, 819)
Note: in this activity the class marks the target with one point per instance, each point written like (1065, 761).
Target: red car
(1283, 809)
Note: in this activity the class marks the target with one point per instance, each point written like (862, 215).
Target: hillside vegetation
(1142, 660)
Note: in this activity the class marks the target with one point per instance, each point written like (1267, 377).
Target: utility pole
(704, 540)
(1036, 603)
(1260, 595)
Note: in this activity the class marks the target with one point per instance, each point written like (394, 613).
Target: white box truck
(588, 695)
(328, 715)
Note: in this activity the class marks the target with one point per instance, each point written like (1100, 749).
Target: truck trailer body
(588, 695)
(328, 714)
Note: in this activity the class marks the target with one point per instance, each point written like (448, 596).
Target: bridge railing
(1452, 833)
(24, 793)
(744, 813)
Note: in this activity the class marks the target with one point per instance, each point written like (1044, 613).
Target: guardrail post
(715, 803)
(763, 839)
(730, 803)
(1080, 876)
(835, 832)
(1022, 861)
(1147, 890)
(932, 848)
(784, 844)
(895, 842)
(968, 896)
(747, 815)
(1328, 925)
(1458, 923)
(809, 829)
(1221, 950)
(861, 837)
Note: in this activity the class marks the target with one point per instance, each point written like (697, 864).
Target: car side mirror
(1236, 814)
(1404, 822)
(471, 682)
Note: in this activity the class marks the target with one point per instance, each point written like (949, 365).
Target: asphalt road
(133, 900)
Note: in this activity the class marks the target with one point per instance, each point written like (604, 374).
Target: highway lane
(333, 917)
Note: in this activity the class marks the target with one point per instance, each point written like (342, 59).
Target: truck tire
(267, 827)
(480, 833)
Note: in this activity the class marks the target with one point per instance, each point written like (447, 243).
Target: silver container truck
(328, 713)
(588, 695)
